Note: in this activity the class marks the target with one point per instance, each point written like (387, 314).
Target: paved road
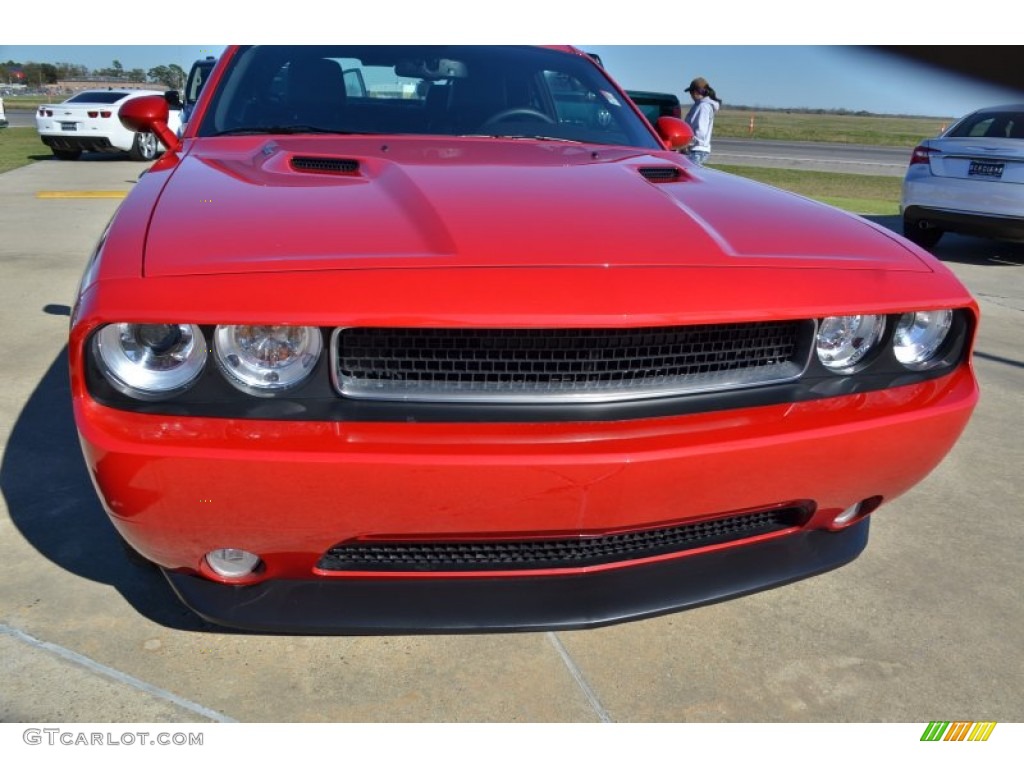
(926, 624)
(811, 156)
(20, 118)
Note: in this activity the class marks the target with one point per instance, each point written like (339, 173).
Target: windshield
(434, 90)
(97, 97)
(1003, 125)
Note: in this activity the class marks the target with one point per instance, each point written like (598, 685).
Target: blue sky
(827, 77)
(768, 76)
(782, 54)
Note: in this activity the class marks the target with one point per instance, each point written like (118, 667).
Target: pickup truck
(655, 105)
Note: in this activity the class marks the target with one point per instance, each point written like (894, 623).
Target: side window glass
(354, 83)
(197, 84)
(981, 128)
(578, 104)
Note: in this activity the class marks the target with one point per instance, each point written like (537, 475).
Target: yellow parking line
(76, 194)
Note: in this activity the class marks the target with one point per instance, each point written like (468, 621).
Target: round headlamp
(844, 342)
(150, 361)
(919, 337)
(266, 359)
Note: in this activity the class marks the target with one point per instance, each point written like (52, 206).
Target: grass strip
(875, 130)
(875, 195)
(20, 146)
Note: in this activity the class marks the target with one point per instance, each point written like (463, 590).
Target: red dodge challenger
(450, 338)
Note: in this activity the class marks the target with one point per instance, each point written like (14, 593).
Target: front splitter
(518, 603)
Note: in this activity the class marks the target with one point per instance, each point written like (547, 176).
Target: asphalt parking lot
(925, 625)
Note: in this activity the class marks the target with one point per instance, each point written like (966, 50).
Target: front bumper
(520, 603)
(179, 487)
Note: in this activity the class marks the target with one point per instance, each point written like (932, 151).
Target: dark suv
(197, 77)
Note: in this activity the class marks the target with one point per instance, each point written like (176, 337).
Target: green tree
(172, 76)
(160, 75)
(38, 75)
(66, 70)
(178, 76)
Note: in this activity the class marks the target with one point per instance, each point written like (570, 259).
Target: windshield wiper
(287, 129)
(528, 136)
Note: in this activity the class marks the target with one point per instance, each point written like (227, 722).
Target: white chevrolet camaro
(88, 122)
(970, 179)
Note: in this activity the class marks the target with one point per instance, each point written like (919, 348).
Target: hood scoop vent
(332, 165)
(661, 174)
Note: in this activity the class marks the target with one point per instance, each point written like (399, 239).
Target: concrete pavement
(926, 624)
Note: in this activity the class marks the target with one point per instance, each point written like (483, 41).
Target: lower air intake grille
(535, 554)
(567, 364)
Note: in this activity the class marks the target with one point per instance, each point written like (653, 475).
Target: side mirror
(148, 114)
(173, 99)
(674, 132)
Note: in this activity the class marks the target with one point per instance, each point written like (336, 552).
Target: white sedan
(970, 179)
(88, 122)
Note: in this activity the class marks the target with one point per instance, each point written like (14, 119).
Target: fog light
(232, 563)
(847, 514)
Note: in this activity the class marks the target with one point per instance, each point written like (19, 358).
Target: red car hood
(254, 204)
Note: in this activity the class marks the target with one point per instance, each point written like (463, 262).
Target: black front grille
(581, 365)
(325, 165)
(535, 554)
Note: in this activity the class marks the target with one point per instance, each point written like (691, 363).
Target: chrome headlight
(150, 361)
(919, 336)
(266, 359)
(844, 342)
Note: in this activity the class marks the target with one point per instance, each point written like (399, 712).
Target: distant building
(73, 85)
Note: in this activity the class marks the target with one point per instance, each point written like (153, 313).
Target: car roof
(1001, 108)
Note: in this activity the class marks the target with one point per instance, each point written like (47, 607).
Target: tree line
(36, 74)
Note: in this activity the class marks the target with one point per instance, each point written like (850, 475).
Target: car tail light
(47, 112)
(921, 154)
(106, 113)
(93, 113)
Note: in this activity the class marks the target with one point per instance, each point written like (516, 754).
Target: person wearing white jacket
(701, 118)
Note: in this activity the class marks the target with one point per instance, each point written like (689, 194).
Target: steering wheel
(516, 113)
